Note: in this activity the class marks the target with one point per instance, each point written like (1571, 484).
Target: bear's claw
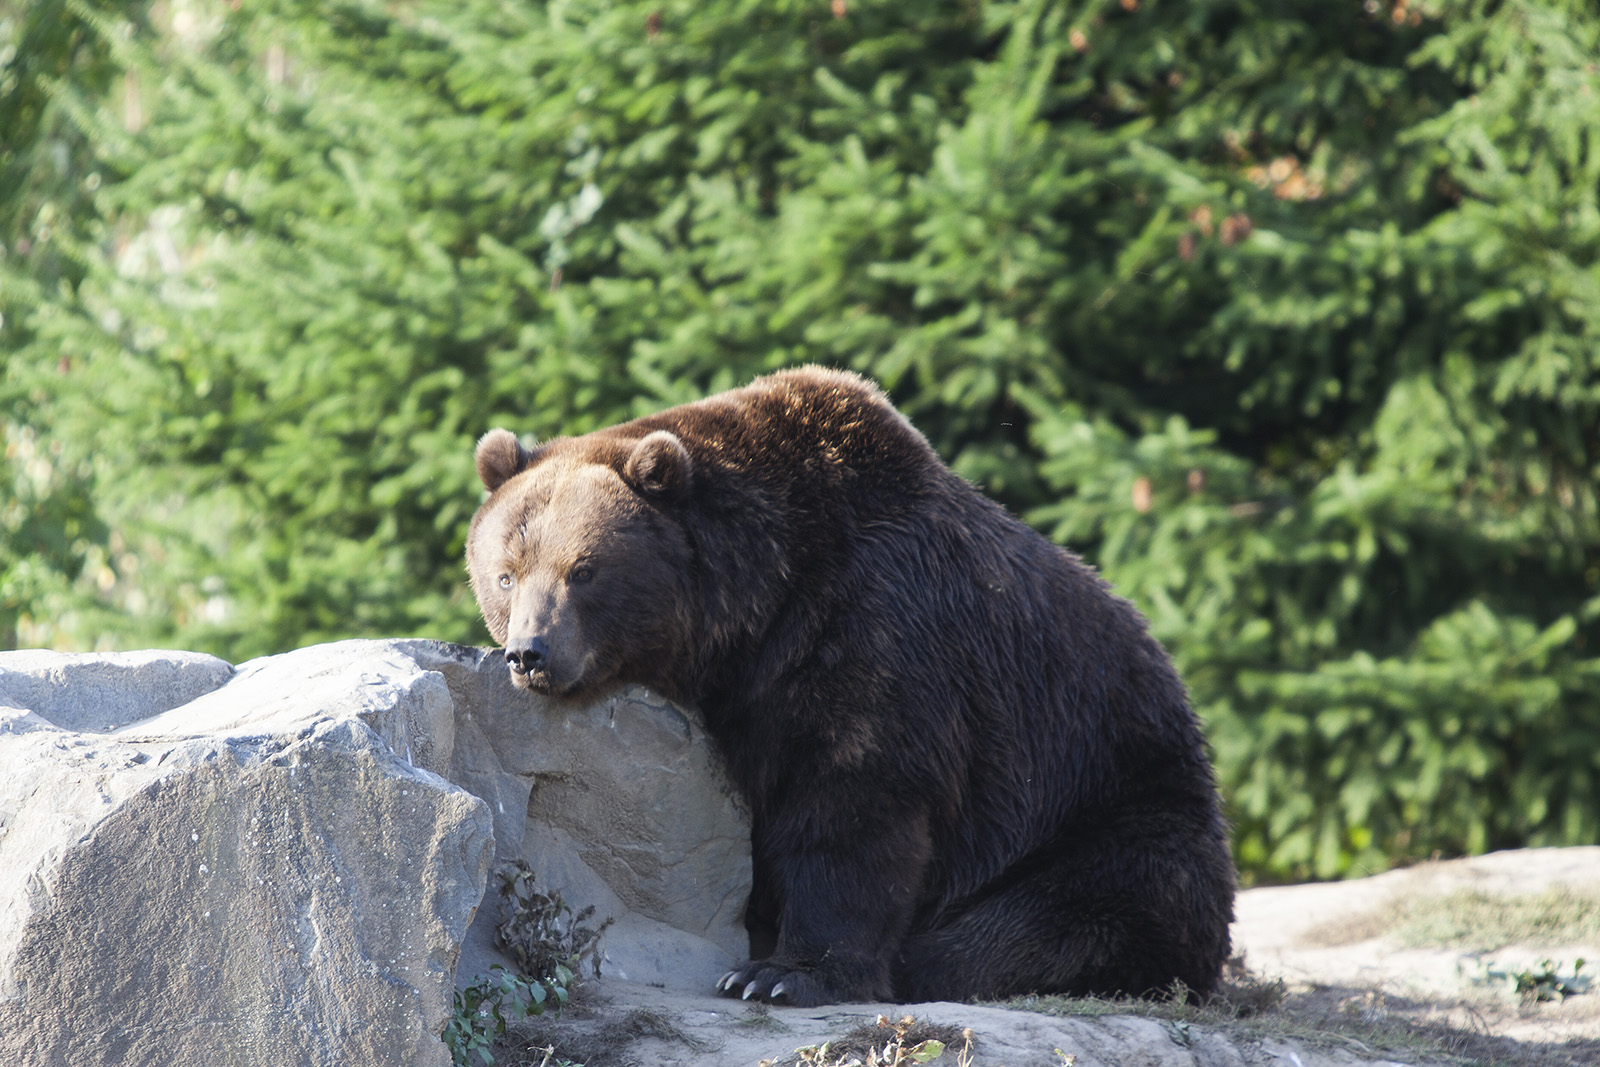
(760, 980)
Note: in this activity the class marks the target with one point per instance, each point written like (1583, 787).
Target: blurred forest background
(1284, 314)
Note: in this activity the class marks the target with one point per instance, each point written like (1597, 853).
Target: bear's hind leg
(1104, 920)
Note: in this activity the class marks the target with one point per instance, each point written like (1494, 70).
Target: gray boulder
(620, 804)
(280, 864)
(95, 694)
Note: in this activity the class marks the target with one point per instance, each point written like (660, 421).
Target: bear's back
(904, 582)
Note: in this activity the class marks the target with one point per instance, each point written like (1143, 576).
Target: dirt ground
(1413, 966)
(1432, 941)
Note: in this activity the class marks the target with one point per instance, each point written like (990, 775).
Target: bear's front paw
(771, 981)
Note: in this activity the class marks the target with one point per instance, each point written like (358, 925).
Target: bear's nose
(527, 654)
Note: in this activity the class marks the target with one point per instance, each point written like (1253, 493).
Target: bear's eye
(581, 573)
(506, 581)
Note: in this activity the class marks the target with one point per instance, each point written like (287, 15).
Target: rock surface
(1340, 1009)
(627, 1025)
(1333, 939)
(620, 804)
(285, 863)
(279, 864)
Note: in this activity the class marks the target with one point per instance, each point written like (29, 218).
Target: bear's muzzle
(529, 660)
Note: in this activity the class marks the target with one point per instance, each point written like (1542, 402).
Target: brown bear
(971, 771)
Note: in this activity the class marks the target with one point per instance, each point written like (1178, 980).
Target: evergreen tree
(54, 71)
(1284, 313)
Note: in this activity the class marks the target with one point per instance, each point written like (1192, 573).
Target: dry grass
(887, 1044)
(589, 1036)
(1473, 921)
(1368, 1024)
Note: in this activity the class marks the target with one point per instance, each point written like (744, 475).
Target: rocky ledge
(282, 862)
(285, 863)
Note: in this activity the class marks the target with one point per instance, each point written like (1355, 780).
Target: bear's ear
(659, 465)
(500, 456)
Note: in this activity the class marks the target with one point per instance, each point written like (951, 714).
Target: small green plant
(539, 929)
(550, 946)
(481, 1009)
(1541, 982)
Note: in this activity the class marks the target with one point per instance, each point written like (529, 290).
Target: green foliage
(481, 1008)
(1285, 314)
(1541, 982)
(550, 947)
(51, 535)
(1377, 564)
(539, 931)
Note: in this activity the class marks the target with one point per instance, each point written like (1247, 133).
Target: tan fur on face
(536, 530)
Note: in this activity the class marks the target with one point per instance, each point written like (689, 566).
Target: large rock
(620, 804)
(279, 864)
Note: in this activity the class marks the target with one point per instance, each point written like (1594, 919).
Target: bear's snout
(527, 655)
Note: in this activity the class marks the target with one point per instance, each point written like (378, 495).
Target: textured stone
(620, 804)
(279, 863)
(258, 876)
(98, 692)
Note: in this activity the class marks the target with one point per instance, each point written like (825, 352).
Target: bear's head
(578, 559)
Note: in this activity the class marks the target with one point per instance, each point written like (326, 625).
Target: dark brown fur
(971, 771)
